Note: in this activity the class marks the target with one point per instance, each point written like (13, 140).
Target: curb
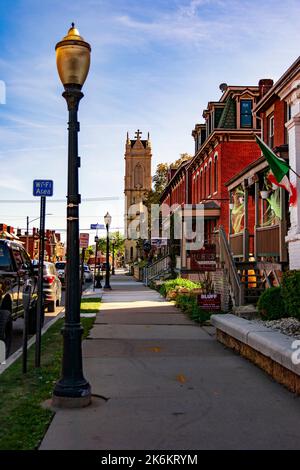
(19, 352)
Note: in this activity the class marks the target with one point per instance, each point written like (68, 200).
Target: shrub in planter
(271, 305)
(184, 301)
(291, 293)
(176, 284)
(199, 315)
(188, 303)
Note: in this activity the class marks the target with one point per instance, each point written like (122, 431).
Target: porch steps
(251, 280)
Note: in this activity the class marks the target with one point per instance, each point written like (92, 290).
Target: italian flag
(279, 171)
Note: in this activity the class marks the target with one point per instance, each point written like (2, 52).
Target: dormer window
(246, 113)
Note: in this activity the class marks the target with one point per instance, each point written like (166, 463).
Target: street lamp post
(97, 281)
(107, 221)
(113, 242)
(73, 61)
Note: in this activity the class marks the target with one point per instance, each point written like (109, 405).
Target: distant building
(54, 248)
(138, 181)
(8, 232)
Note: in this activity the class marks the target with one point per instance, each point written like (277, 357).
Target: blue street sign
(97, 227)
(42, 188)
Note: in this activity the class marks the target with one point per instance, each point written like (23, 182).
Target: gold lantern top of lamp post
(107, 219)
(73, 58)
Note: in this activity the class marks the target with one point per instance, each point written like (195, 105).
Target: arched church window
(139, 176)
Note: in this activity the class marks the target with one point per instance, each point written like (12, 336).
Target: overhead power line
(49, 200)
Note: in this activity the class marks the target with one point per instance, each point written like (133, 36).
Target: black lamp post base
(107, 288)
(71, 402)
(72, 397)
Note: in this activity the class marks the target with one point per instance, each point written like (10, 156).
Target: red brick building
(223, 145)
(54, 248)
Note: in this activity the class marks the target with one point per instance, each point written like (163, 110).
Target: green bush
(188, 303)
(173, 283)
(271, 305)
(291, 293)
(185, 301)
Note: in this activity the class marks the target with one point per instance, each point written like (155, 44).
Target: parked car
(52, 287)
(16, 274)
(87, 274)
(61, 271)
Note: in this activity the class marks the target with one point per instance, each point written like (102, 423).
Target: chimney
(265, 85)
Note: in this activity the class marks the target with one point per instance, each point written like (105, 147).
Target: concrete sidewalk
(162, 382)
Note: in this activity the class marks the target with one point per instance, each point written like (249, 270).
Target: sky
(155, 64)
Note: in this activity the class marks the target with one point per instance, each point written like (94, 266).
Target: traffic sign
(42, 188)
(97, 227)
(84, 240)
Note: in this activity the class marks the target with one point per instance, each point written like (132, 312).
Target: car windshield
(5, 262)
(60, 265)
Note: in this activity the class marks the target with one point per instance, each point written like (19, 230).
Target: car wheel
(6, 329)
(32, 319)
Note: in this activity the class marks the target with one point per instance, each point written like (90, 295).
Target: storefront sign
(84, 240)
(158, 242)
(210, 302)
(204, 259)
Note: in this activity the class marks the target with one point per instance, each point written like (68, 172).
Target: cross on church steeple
(138, 134)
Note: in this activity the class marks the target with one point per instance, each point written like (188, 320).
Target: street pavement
(160, 381)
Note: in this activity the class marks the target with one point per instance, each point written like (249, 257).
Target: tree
(88, 253)
(160, 179)
(183, 158)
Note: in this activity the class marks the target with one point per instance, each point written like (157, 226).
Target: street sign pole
(42, 189)
(26, 303)
(40, 305)
(82, 268)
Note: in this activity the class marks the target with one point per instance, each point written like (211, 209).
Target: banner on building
(205, 259)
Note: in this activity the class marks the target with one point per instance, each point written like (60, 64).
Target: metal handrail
(226, 257)
(156, 269)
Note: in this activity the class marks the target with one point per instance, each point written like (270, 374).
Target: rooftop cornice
(281, 83)
(218, 135)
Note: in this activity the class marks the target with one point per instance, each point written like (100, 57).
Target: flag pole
(294, 171)
(277, 156)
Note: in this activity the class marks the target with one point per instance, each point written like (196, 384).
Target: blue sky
(155, 65)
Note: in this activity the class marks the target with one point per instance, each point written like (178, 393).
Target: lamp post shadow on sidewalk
(107, 221)
(73, 62)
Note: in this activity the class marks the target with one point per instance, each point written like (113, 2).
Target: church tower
(138, 181)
